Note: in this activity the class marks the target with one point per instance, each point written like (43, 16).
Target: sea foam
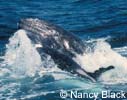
(103, 56)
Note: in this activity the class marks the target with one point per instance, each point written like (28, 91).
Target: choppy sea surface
(100, 23)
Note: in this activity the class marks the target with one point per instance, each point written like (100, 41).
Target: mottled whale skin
(53, 36)
(60, 44)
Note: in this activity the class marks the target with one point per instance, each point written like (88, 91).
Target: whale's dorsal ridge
(53, 33)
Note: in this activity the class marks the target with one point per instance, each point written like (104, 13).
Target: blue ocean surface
(101, 24)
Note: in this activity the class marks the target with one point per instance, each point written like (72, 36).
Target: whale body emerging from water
(60, 44)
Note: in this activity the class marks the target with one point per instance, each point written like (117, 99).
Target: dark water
(88, 19)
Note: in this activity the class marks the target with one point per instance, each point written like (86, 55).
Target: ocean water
(101, 24)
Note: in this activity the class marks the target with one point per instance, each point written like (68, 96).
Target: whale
(60, 44)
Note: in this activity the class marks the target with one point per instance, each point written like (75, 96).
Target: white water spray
(21, 55)
(22, 58)
(103, 56)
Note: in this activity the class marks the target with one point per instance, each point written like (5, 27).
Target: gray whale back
(53, 36)
(60, 44)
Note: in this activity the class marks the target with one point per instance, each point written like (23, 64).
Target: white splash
(22, 58)
(21, 55)
(104, 56)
